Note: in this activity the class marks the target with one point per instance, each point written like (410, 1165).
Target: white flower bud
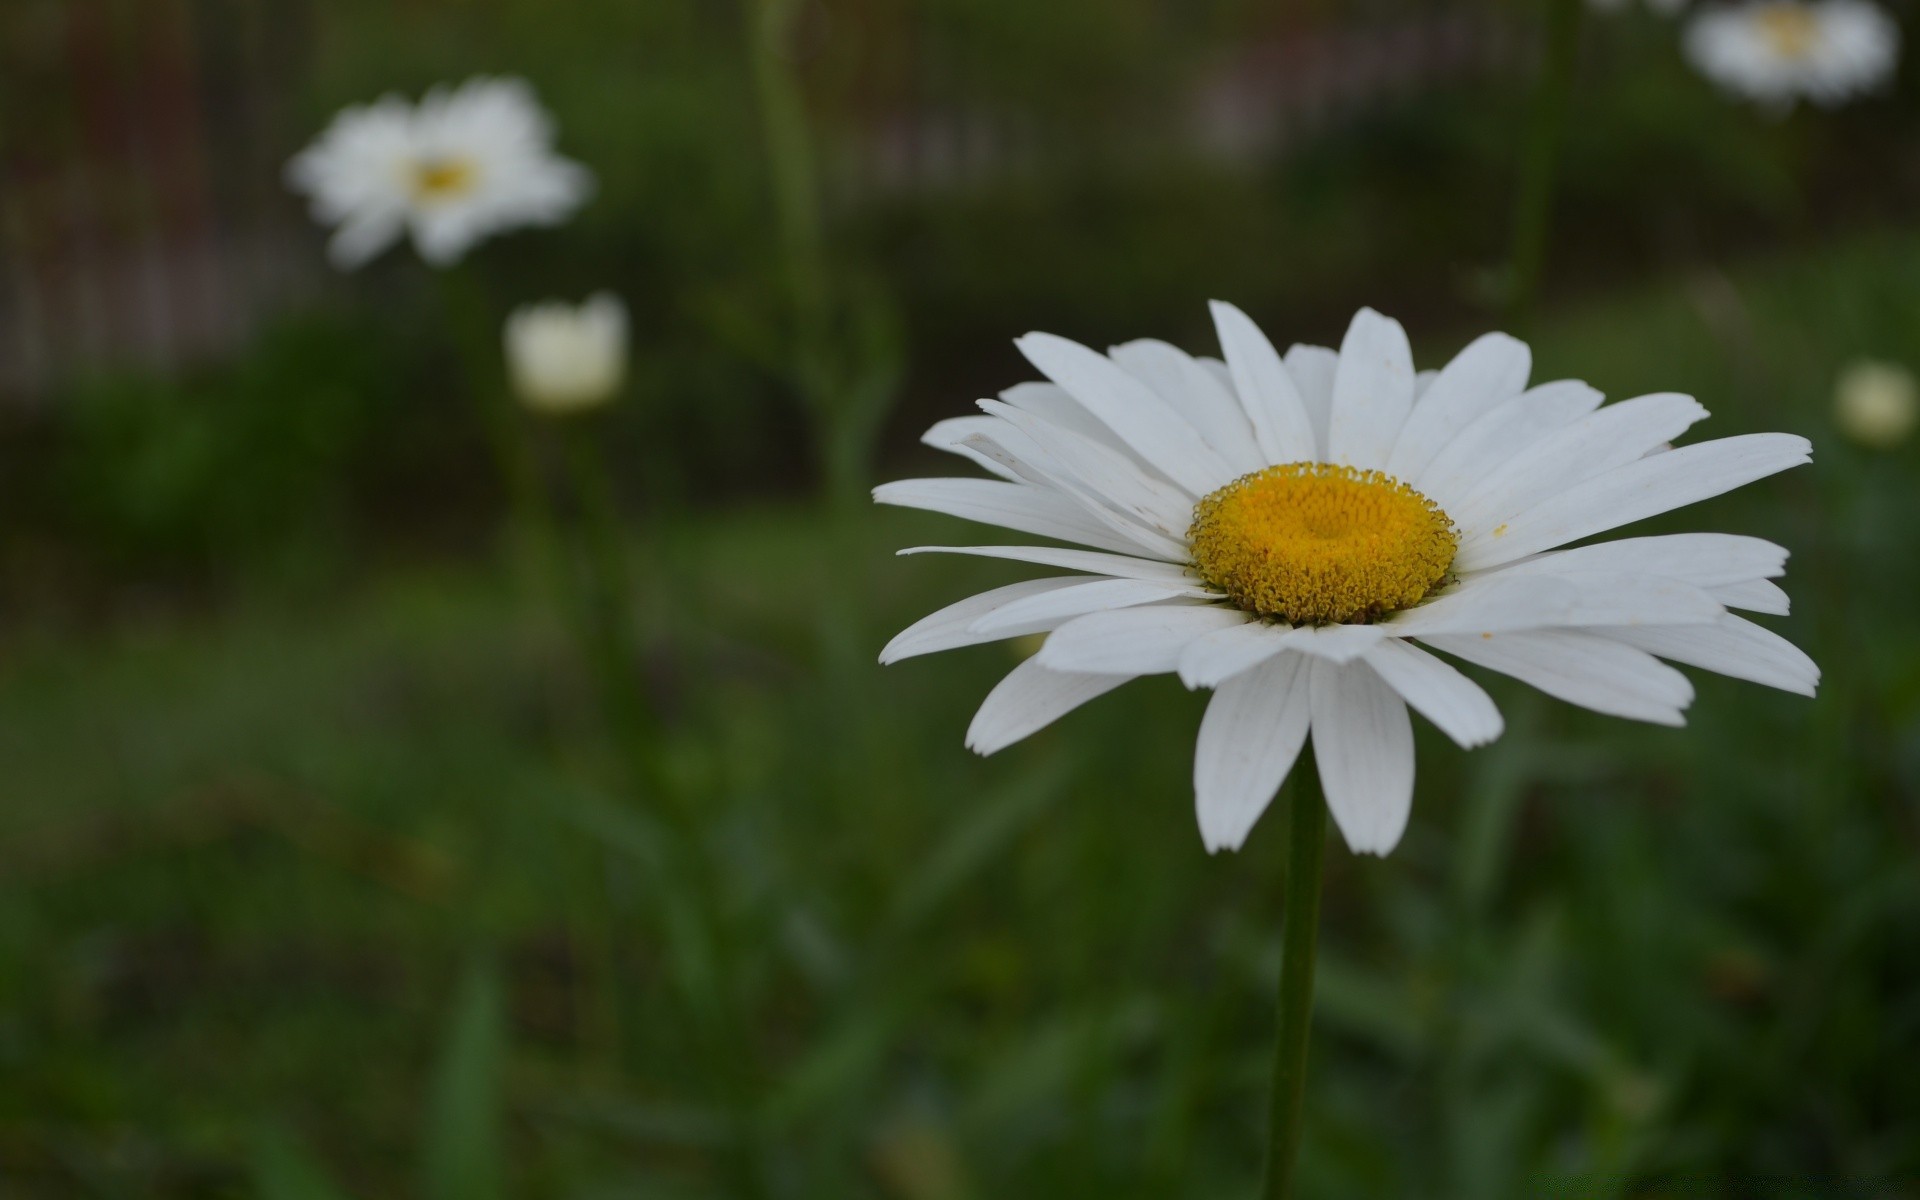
(564, 358)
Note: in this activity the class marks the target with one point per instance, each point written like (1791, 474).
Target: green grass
(250, 860)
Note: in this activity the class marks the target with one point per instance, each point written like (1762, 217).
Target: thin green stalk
(1533, 206)
(722, 1028)
(475, 329)
(1299, 934)
(610, 648)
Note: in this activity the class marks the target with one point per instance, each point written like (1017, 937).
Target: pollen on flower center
(443, 178)
(1314, 543)
(1789, 28)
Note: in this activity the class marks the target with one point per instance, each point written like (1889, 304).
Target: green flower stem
(718, 1021)
(610, 602)
(1299, 933)
(475, 329)
(1533, 206)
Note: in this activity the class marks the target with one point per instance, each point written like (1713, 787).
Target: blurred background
(322, 874)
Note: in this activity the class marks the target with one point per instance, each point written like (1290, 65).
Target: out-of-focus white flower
(1778, 51)
(565, 358)
(1284, 528)
(1876, 403)
(458, 167)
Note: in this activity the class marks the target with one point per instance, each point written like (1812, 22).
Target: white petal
(1733, 647)
(1029, 700)
(1128, 506)
(1056, 406)
(1312, 369)
(1372, 392)
(1703, 559)
(951, 436)
(1265, 389)
(1502, 603)
(1490, 371)
(1634, 492)
(1212, 660)
(1458, 706)
(1616, 435)
(1117, 565)
(1336, 643)
(1020, 506)
(1581, 668)
(1193, 392)
(1092, 596)
(1363, 743)
(1134, 641)
(952, 626)
(364, 235)
(1142, 420)
(1249, 740)
(1495, 437)
(1754, 595)
(1104, 473)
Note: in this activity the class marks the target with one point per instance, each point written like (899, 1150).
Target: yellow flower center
(436, 179)
(1314, 543)
(1790, 28)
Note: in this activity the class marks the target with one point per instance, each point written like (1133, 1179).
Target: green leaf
(283, 1170)
(461, 1155)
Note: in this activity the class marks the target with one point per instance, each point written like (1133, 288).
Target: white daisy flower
(1284, 530)
(565, 358)
(459, 167)
(1778, 51)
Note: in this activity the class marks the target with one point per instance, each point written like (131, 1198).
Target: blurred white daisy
(1876, 403)
(565, 358)
(1778, 51)
(1282, 529)
(460, 166)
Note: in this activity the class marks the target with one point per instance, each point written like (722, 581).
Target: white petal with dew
(1250, 738)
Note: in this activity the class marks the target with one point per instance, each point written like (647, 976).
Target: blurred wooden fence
(141, 217)
(143, 220)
